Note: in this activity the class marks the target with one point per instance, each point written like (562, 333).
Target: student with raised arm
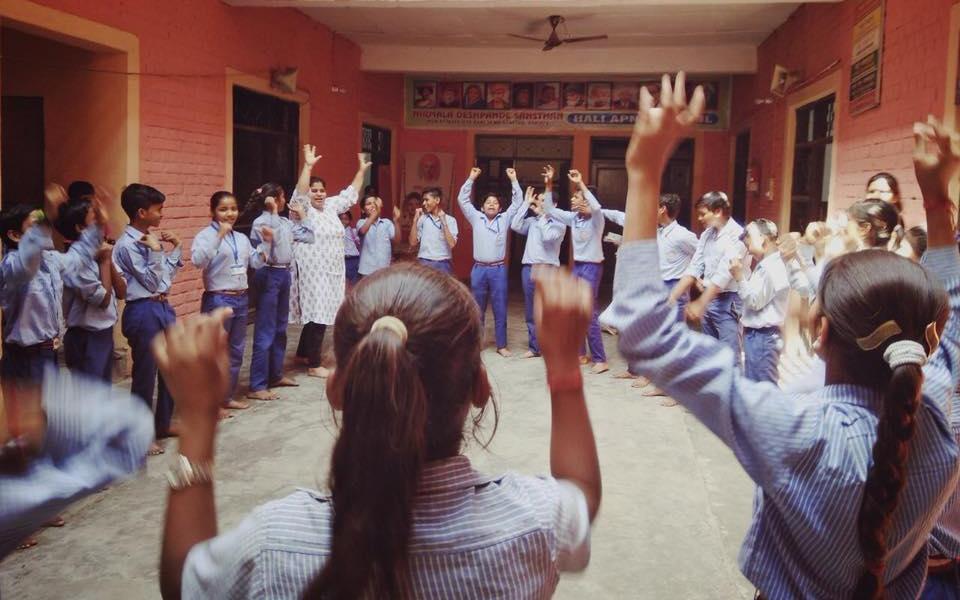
(586, 224)
(544, 236)
(488, 278)
(851, 478)
(379, 234)
(435, 232)
(718, 309)
(406, 516)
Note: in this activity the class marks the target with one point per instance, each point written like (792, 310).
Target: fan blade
(588, 38)
(526, 37)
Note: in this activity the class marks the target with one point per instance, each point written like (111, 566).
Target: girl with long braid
(852, 477)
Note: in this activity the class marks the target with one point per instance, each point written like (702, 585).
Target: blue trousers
(526, 276)
(722, 321)
(236, 327)
(490, 283)
(592, 273)
(681, 301)
(943, 586)
(270, 328)
(761, 349)
(441, 265)
(25, 363)
(142, 321)
(89, 352)
(352, 264)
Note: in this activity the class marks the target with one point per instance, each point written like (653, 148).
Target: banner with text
(544, 105)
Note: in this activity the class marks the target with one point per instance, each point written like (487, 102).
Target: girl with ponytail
(406, 515)
(850, 478)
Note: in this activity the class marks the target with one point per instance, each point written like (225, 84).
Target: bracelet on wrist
(184, 473)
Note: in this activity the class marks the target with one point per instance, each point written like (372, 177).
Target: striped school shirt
(473, 537)
(808, 454)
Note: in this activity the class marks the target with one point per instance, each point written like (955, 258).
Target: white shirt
(587, 232)
(677, 247)
(433, 243)
(765, 294)
(715, 250)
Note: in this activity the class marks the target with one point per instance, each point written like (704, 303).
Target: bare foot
(224, 414)
(155, 449)
(651, 392)
(284, 382)
(600, 367)
(504, 352)
(30, 542)
(529, 354)
(263, 395)
(55, 522)
(321, 372)
(237, 405)
(668, 402)
(625, 375)
(641, 382)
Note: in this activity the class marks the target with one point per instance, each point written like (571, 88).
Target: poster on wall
(866, 63)
(544, 105)
(422, 170)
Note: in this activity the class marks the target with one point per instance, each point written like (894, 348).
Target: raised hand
(150, 241)
(474, 173)
(548, 173)
(192, 356)
(511, 174)
(267, 234)
(562, 307)
(529, 196)
(657, 130)
(298, 211)
(936, 160)
(417, 215)
(310, 156)
(270, 204)
(575, 177)
(54, 196)
(364, 164)
(397, 214)
(224, 230)
(170, 238)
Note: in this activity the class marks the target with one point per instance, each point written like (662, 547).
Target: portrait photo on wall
(425, 94)
(448, 94)
(574, 95)
(523, 95)
(548, 95)
(598, 96)
(498, 95)
(474, 96)
(626, 95)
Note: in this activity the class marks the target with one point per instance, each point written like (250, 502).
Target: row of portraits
(542, 95)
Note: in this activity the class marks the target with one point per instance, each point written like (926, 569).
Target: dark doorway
(528, 155)
(266, 133)
(22, 150)
(375, 141)
(741, 160)
(609, 174)
(811, 163)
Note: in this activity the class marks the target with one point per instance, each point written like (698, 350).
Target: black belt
(230, 292)
(480, 263)
(154, 298)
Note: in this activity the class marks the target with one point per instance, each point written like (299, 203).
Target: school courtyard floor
(675, 503)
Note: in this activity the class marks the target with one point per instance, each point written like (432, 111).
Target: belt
(46, 345)
(942, 565)
(480, 263)
(155, 298)
(230, 292)
(436, 259)
(770, 329)
(276, 266)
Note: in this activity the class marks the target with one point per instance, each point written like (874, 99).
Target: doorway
(741, 160)
(609, 174)
(22, 150)
(375, 141)
(528, 155)
(813, 147)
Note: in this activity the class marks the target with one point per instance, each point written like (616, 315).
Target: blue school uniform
(808, 454)
(149, 275)
(272, 287)
(488, 278)
(224, 266)
(31, 297)
(434, 250)
(376, 251)
(544, 236)
(587, 235)
(765, 295)
(351, 253)
(88, 343)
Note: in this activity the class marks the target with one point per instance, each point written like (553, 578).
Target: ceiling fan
(555, 40)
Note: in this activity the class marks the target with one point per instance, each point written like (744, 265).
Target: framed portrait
(448, 94)
(425, 94)
(522, 95)
(599, 95)
(498, 95)
(626, 95)
(548, 95)
(474, 95)
(574, 95)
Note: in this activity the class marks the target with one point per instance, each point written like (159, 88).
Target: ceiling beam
(562, 61)
(454, 4)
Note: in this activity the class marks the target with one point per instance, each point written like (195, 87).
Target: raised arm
(310, 158)
(206, 246)
(614, 216)
(345, 200)
(465, 197)
(516, 194)
(415, 228)
(520, 223)
(564, 216)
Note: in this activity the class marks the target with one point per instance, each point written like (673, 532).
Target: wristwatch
(185, 473)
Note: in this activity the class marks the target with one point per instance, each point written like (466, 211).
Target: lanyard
(435, 223)
(232, 242)
(496, 221)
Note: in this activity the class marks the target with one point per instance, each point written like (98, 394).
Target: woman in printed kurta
(319, 274)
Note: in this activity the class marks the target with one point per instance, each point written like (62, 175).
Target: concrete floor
(675, 506)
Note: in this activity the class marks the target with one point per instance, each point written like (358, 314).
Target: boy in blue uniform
(488, 278)
(149, 273)
(89, 297)
(435, 232)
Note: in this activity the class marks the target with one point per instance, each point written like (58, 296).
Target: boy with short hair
(435, 232)
(149, 273)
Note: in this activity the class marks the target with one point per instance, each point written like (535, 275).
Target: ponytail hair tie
(393, 324)
(905, 352)
(882, 333)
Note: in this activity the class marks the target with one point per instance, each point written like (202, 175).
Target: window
(813, 148)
